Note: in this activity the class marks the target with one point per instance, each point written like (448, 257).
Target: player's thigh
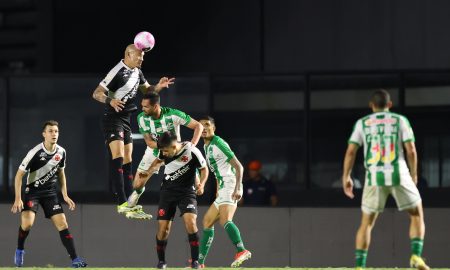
(27, 218)
(406, 195)
(211, 216)
(117, 149)
(60, 221)
(128, 153)
(374, 199)
(226, 212)
(147, 159)
(51, 206)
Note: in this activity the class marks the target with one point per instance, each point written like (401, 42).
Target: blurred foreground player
(45, 165)
(385, 137)
(228, 172)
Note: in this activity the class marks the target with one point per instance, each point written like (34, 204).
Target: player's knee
(163, 233)
(26, 226)
(207, 222)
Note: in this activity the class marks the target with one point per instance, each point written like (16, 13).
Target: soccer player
(153, 121)
(178, 189)
(228, 172)
(118, 91)
(385, 136)
(45, 165)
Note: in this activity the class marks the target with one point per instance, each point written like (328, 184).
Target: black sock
(161, 249)
(128, 178)
(193, 242)
(116, 176)
(67, 240)
(21, 238)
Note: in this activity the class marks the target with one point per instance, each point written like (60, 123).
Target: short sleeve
(180, 118)
(225, 149)
(63, 161)
(26, 162)
(201, 160)
(357, 134)
(142, 79)
(406, 130)
(110, 82)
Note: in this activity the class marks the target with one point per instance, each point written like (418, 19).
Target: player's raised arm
(236, 164)
(349, 161)
(198, 129)
(18, 203)
(164, 82)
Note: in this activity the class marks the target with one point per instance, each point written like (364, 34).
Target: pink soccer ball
(144, 41)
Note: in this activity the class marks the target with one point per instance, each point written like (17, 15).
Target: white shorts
(149, 156)
(224, 196)
(374, 198)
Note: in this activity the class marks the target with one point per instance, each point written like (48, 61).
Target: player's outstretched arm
(164, 82)
(18, 203)
(411, 158)
(198, 129)
(100, 95)
(236, 164)
(349, 161)
(63, 185)
(203, 178)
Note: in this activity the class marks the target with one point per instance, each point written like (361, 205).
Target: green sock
(234, 235)
(205, 244)
(361, 257)
(417, 246)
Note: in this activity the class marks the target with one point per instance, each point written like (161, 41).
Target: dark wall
(255, 35)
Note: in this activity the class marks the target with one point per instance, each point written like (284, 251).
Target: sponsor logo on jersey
(44, 180)
(178, 173)
(42, 158)
(42, 154)
(184, 158)
(370, 122)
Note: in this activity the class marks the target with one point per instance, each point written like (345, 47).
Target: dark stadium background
(285, 80)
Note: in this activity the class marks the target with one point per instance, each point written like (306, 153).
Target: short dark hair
(49, 123)
(166, 139)
(208, 118)
(152, 96)
(380, 98)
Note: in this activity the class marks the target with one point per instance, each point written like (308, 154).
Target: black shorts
(117, 127)
(51, 205)
(168, 202)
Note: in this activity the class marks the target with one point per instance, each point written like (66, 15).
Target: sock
(234, 235)
(205, 244)
(21, 238)
(193, 242)
(67, 240)
(116, 176)
(417, 246)
(161, 249)
(128, 178)
(361, 257)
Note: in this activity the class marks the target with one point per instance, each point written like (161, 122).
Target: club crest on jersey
(57, 157)
(184, 158)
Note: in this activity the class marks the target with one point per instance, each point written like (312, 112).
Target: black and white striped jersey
(42, 167)
(180, 170)
(122, 83)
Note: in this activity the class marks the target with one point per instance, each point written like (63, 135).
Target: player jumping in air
(45, 165)
(385, 137)
(228, 172)
(118, 91)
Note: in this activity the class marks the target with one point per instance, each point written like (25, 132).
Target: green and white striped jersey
(218, 155)
(170, 120)
(382, 134)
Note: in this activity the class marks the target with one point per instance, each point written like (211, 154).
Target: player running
(385, 137)
(178, 189)
(228, 172)
(153, 121)
(118, 91)
(45, 165)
